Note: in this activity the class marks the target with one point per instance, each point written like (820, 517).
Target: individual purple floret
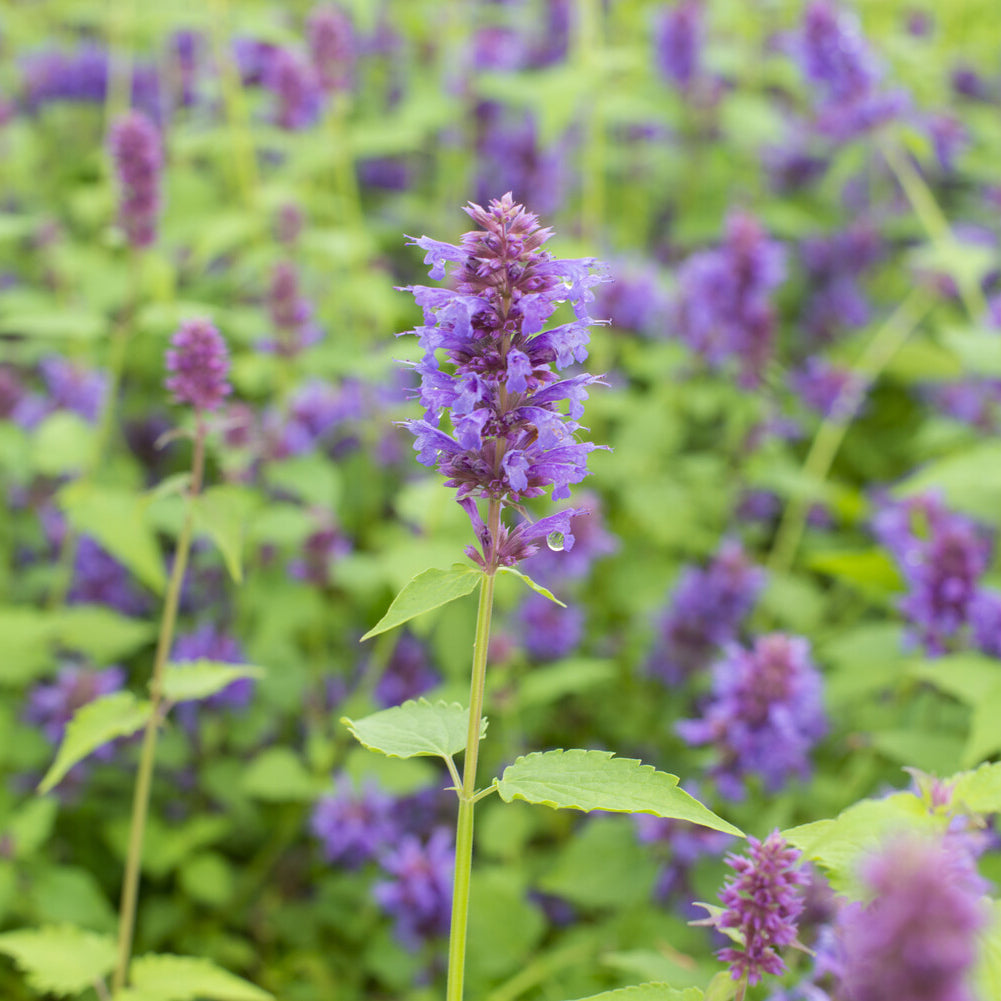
(354, 826)
(763, 903)
(138, 158)
(290, 312)
(764, 715)
(836, 59)
(547, 631)
(408, 673)
(723, 309)
(198, 363)
(208, 642)
(706, 611)
(916, 937)
(678, 40)
(554, 566)
(509, 437)
(419, 896)
(52, 706)
(330, 35)
(296, 87)
(942, 556)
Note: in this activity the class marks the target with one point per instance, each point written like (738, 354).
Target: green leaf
(985, 735)
(987, 972)
(61, 444)
(504, 926)
(979, 790)
(528, 582)
(116, 519)
(429, 589)
(722, 987)
(26, 636)
(222, 513)
(102, 634)
(596, 780)
(415, 729)
(60, 959)
(110, 716)
(278, 775)
(970, 480)
(29, 828)
(185, 978)
(191, 680)
(647, 992)
(968, 677)
(69, 323)
(543, 685)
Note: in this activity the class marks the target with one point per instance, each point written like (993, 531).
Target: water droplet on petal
(555, 542)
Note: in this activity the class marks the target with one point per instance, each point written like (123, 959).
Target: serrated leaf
(597, 780)
(117, 715)
(417, 728)
(647, 992)
(534, 585)
(186, 978)
(428, 590)
(199, 679)
(222, 513)
(60, 959)
(116, 519)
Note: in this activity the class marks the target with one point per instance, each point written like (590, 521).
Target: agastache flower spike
(198, 364)
(509, 437)
(138, 158)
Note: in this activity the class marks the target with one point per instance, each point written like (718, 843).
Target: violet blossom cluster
(509, 438)
(209, 642)
(723, 309)
(330, 35)
(354, 826)
(290, 312)
(942, 556)
(764, 714)
(293, 80)
(762, 902)
(916, 936)
(706, 611)
(407, 675)
(68, 386)
(678, 41)
(138, 158)
(198, 363)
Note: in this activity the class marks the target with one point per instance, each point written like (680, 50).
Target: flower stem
(144, 778)
(467, 794)
(877, 354)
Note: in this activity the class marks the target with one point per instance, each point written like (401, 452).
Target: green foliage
(534, 585)
(416, 728)
(648, 992)
(96, 723)
(430, 589)
(222, 513)
(192, 680)
(184, 978)
(60, 959)
(596, 780)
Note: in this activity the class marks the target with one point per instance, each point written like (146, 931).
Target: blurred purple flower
(554, 567)
(826, 389)
(635, 299)
(985, 618)
(942, 556)
(678, 39)
(290, 312)
(99, 579)
(208, 642)
(319, 413)
(764, 715)
(289, 223)
(354, 826)
(330, 35)
(792, 168)
(296, 87)
(198, 363)
(547, 631)
(916, 938)
(763, 903)
(408, 673)
(707, 608)
(321, 549)
(52, 706)
(419, 894)
(138, 158)
(69, 387)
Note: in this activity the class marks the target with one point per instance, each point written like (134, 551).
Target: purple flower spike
(764, 715)
(331, 47)
(419, 896)
(916, 938)
(678, 38)
(138, 159)
(408, 673)
(52, 706)
(763, 902)
(509, 436)
(199, 364)
(354, 827)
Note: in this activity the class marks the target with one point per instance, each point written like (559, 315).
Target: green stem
(144, 778)
(935, 223)
(467, 795)
(885, 344)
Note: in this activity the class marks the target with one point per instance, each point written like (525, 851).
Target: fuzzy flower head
(508, 437)
(762, 904)
(353, 826)
(198, 363)
(138, 159)
(52, 706)
(916, 938)
(764, 715)
(331, 47)
(678, 38)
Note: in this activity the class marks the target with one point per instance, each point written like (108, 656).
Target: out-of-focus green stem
(234, 100)
(144, 777)
(884, 345)
(467, 793)
(589, 39)
(933, 219)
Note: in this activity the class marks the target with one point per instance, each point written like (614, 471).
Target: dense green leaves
(96, 723)
(596, 780)
(60, 959)
(415, 729)
(428, 590)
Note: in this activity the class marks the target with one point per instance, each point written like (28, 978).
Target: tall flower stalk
(198, 367)
(492, 368)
